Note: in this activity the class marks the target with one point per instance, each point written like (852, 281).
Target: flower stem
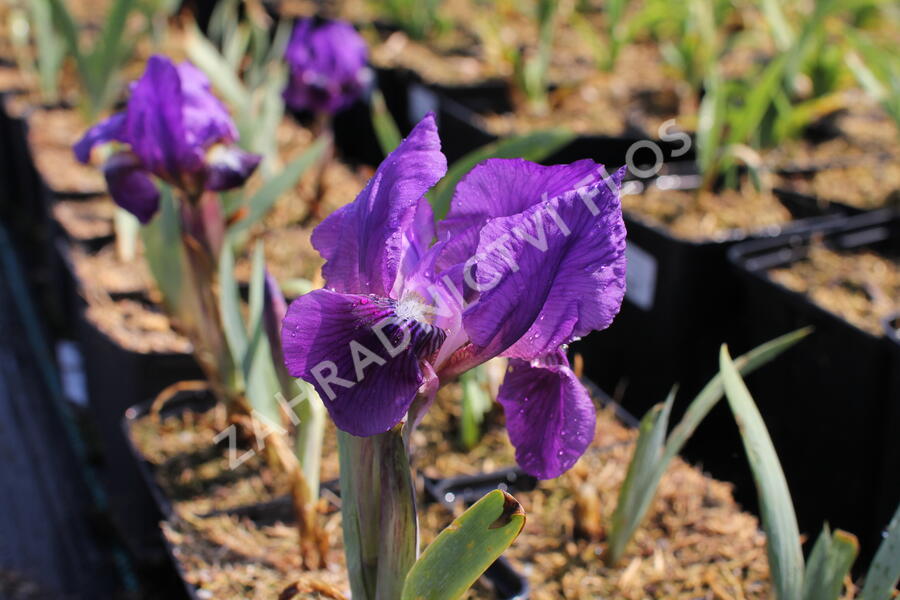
(379, 513)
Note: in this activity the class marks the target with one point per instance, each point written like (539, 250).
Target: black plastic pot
(682, 302)
(789, 175)
(828, 403)
(354, 134)
(25, 208)
(891, 494)
(116, 377)
(461, 128)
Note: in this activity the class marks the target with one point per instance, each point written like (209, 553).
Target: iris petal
(206, 120)
(550, 274)
(131, 186)
(229, 167)
(360, 356)
(328, 66)
(500, 187)
(549, 415)
(155, 123)
(110, 130)
(366, 242)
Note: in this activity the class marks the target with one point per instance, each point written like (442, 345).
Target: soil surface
(861, 287)
(12, 79)
(51, 134)
(697, 543)
(86, 220)
(637, 96)
(195, 472)
(859, 129)
(105, 272)
(701, 215)
(136, 325)
(867, 185)
(857, 163)
(229, 557)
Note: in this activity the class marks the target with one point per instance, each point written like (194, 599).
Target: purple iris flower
(174, 128)
(528, 259)
(327, 60)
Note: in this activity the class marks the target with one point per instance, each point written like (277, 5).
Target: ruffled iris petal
(206, 120)
(365, 243)
(550, 417)
(155, 123)
(500, 187)
(131, 186)
(367, 382)
(550, 274)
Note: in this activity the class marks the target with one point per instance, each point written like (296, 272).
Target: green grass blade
(713, 391)
(829, 562)
(230, 306)
(884, 572)
(262, 380)
(778, 24)
(110, 51)
(68, 29)
(711, 123)
(464, 550)
(258, 130)
(758, 100)
(476, 402)
(50, 52)
(533, 146)
(262, 201)
(223, 78)
(162, 249)
(386, 129)
(776, 508)
(636, 497)
(639, 487)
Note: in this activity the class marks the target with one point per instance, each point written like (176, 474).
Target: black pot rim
(741, 257)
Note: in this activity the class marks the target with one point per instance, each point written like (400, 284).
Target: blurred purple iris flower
(528, 259)
(173, 128)
(327, 60)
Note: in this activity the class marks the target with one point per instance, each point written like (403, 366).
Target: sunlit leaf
(386, 129)
(828, 564)
(776, 507)
(884, 572)
(465, 549)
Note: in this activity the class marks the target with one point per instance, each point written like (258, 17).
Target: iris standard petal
(550, 274)
(360, 356)
(131, 186)
(365, 242)
(206, 120)
(155, 124)
(550, 417)
(229, 167)
(110, 130)
(500, 187)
